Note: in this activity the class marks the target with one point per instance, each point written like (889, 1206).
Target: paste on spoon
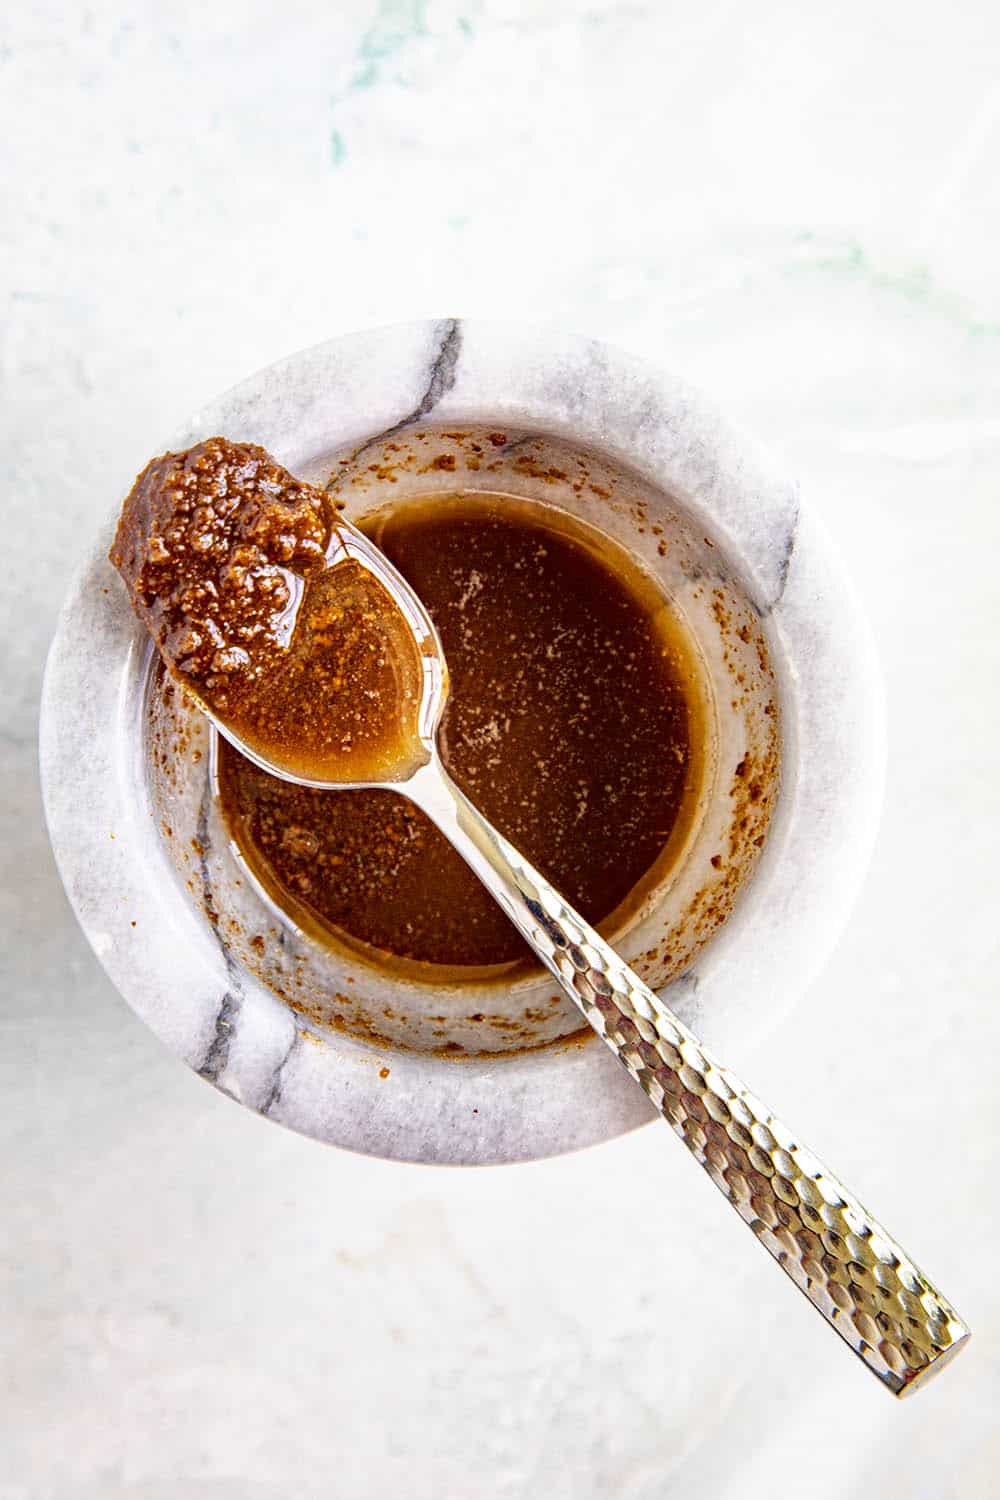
(238, 571)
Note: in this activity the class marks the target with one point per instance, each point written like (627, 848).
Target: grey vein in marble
(784, 568)
(441, 378)
(217, 1056)
(273, 1096)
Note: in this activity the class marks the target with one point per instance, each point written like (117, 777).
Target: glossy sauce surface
(573, 721)
(247, 584)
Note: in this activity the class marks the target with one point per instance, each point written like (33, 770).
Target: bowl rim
(565, 1096)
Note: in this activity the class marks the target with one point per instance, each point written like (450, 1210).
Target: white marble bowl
(404, 1069)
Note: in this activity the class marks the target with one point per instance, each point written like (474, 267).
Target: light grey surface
(199, 1305)
(185, 976)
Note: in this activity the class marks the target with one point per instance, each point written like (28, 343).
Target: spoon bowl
(349, 544)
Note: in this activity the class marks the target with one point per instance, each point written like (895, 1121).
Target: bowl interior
(423, 1007)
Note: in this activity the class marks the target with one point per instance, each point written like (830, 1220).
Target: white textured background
(794, 205)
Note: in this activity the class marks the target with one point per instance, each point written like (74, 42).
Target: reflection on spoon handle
(852, 1271)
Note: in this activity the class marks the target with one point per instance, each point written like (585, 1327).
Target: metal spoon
(835, 1251)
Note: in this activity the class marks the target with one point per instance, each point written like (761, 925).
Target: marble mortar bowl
(497, 1069)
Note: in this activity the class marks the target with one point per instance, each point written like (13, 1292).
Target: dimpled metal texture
(852, 1271)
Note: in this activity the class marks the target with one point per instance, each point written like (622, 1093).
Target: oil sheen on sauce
(575, 721)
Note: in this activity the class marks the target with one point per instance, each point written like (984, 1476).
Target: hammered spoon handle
(853, 1272)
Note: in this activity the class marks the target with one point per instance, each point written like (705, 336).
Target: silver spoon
(836, 1252)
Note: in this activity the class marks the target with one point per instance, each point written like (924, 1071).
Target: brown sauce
(573, 721)
(239, 572)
